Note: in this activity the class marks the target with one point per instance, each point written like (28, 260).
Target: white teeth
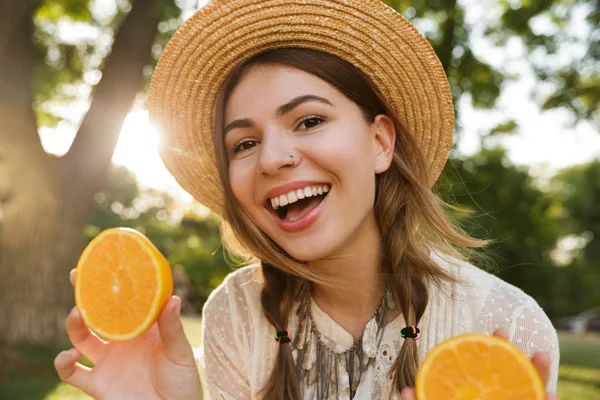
(275, 202)
(292, 197)
(298, 194)
(283, 200)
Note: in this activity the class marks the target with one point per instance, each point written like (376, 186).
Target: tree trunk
(41, 236)
(45, 201)
(448, 28)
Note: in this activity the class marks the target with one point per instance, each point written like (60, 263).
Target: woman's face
(303, 159)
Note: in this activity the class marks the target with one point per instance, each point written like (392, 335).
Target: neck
(356, 269)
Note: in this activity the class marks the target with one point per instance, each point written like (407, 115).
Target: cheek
(242, 183)
(348, 152)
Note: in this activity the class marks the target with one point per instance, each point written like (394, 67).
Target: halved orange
(476, 366)
(122, 284)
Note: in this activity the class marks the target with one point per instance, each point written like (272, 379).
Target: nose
(276, 152)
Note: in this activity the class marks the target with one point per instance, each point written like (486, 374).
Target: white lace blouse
(238, 348)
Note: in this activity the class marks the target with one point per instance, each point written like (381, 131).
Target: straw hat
(375, 38)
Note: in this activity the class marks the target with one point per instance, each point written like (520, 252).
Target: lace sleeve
(528, 326)
(224, 348)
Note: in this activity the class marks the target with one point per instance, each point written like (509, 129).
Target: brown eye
(311, 122)
(245, 145)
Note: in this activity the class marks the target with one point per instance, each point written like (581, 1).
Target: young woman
(316, 128)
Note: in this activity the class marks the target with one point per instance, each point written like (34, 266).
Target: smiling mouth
(299, 207)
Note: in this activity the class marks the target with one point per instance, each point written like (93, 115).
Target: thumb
(177, 347)
(408, 394)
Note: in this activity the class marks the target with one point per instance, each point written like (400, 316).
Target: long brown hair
(411, 218)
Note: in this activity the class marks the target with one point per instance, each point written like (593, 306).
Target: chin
(309, 250)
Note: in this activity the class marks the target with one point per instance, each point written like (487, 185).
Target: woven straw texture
(367, 33)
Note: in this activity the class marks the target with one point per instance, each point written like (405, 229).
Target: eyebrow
(281, 111)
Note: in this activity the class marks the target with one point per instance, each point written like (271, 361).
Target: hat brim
(373, 37)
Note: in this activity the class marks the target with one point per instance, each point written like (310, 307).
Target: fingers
(501, 333)
(542, 364)
(177, 347)
(82, 338)
(72, 276)
(71, 372)
(551, 396)
(408, 394)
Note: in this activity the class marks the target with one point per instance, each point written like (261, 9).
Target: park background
(78, 155)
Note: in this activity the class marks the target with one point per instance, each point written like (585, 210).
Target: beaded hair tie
(410, 332)
(283, 336)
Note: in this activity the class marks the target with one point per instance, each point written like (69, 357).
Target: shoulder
(239, 292)
(476, 284)
(231, 312)
(243, 281)
(230, 319)
(486, 302)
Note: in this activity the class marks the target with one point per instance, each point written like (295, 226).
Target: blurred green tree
(578, 192)
(563, 40)
(443, 23)
(46, 73)
(578, 189)
(506, 207)
(545, 242)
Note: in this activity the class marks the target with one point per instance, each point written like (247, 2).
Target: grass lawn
(579, 373)
(28, 373)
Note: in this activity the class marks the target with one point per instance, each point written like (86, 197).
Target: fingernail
(72, 353)
(71, 274)
(66, 354)
(63, 355)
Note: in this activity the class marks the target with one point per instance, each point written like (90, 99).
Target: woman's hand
(158, 365)
(540, 360)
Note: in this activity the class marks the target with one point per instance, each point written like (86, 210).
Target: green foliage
(72, 41)
(76, 10)
(577, 189)
(504, 128)
(471, 75)
(508, 209)
(450, 40)
(575, 84)
(525, 224)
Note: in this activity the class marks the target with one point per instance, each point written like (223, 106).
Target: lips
(301, 219)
